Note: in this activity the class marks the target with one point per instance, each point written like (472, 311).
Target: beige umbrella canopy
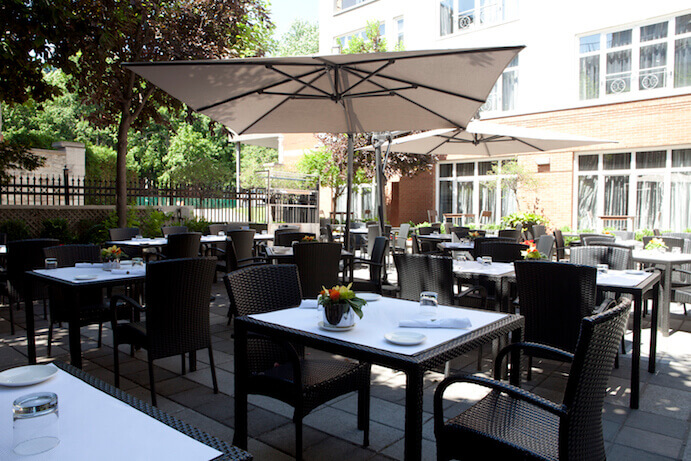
(485, 139)
(352, 93)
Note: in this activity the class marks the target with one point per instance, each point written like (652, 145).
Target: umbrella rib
(369, 76)
(296, 79)
(259, 90)
(419, 85)
(445, 140)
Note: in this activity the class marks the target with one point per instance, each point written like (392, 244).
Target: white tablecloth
(69, 274)
(381, 317)
(474, 267)
(96, 426)
(621, 278)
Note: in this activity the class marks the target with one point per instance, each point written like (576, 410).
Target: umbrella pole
(380, 186)
(349, 191)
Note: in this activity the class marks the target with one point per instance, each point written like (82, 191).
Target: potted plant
(656, 244)
(531, 252)
(111, 257)
(340, 306)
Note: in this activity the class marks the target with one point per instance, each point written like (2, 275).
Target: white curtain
(587, 200)
(464, 197)
(680, 217)
(488, 199)
(446, 17)
(649, 202)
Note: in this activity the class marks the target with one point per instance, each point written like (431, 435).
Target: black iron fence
(213, 203)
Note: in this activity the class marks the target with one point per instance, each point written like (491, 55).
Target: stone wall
(65, 154)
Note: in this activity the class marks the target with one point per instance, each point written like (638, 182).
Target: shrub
(152, 221)
(640, 233)
(525, 218)
(57, 228)
(196, 224)
(16, 229)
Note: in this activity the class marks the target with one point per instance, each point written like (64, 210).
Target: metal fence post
(66, 177)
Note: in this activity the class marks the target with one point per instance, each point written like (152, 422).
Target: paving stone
(666, 401)
(664, 425)
(283, 438)
(625, 453)
(654, 443)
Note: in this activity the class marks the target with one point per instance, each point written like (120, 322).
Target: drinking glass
(51, 263)
(136, 261)
(602, 268)
(35, 423)
(221, 233)
(428, 303)
(676, 250)
(486, 260)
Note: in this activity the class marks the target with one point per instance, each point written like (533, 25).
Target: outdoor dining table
(366, 342)
(162, 241)
(72, 280)
(456, 246)
(99, 421)
(665, 261)
(435, 237)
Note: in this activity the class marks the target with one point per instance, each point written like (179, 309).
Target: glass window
(649, 190)
(587, 162)
(681, 157)
(466, 13)
(618, 72)
(464, 194)
(590, 43)
(589, 80)
(587, 201)
(508, 202)
(652, 65)
(616, 195)
(654, 31)
(621, 38)
(654, 159)
(465, 169)
(446, 17)
(682, 62)
(485, 167)
(399, 33)
(616, 161)
(445, 197)
(445, 170)
(680, 219)
(682, 24)
(488, 199)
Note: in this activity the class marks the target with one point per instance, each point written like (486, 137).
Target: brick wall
(413, 197)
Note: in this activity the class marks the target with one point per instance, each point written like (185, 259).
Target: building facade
(617, 70)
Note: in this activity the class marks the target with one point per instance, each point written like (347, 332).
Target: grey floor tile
(654, 443)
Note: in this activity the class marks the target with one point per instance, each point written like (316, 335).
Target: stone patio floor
(659, 430)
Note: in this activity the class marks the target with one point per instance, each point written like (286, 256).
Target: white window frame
(505, 10)
(495, 99)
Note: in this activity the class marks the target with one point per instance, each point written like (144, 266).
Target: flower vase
(339, 315)
(110, 265)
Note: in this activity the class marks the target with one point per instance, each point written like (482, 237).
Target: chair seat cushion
(506, 427)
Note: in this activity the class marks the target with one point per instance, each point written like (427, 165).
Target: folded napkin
(463, 322)
(129, 271)
(83, 265)
(309, 304)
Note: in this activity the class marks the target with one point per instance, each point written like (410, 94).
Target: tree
(121, 31)
(371, 43)
(253, 160)
(301, 39)
(515, 177)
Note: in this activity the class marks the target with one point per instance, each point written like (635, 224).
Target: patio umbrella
(354, 93)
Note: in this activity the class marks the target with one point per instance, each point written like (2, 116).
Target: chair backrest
(513, 234)
(615, 258)
(624, 235)
(418, 273)
(317, 264)
(286, 239)
(177, 305)
(587, 239)
(265, 288)
(559, 243)
(501, 252)
(477, 243)
(357, 225)
(402, 237)
(123, 233)
(535, 231)
(243, 240)
(554, 297)
(26, 255)
(436, 226)
(69, 255)
(183, 245)
(545, 245)
(373, 231)
(426, 230)
(684, 235)
(416, 245)
(3, 238)
(671, 242)
(378, 254)
(170, 230)
(656, 232)
(238, 225)
(431, 215)
(214, 229)
(328, 233)
(580, 433)
(460, 231)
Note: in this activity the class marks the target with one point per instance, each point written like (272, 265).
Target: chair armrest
(513, 391)
(482, 291)
(216, 250)
(254, 259)
(126, 300)
(681, 271)
(606, 304)
(367, 261)
(539, 350)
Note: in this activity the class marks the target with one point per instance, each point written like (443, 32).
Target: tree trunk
(121, 169)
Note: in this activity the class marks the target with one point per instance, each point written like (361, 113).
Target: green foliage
(301, 39)
(252, 160)
(16, 229)
(517, 177)
(196, 224)
(372, 43)
(100, 163)
(57, 228)
(16, 157)
(640, 233)
(492, 226)
(151, 222)
(525, 218)
(566, 229)
(193, 158)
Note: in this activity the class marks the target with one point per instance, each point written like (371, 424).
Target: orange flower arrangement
(531, 252)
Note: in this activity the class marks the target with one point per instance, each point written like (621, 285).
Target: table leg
(74, 333)
(515, 376)
(653, 329)
(30, 327)
(666, 298)
(413, 415)
(636, 353)
(241, 373)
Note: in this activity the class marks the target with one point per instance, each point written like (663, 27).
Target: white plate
(328, 327)
(369, 297)
(405, 338)
(85, 277)
(27, 375)
(633, 272)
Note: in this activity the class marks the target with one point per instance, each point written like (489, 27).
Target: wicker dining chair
(589, 239)
(513, 234)
(214, 229)
(286, 239)
(511, 423)
(177, 315)
(501, 251)
(123, 233)
(671, 242)
(172, 230)
(616, 258)
(181, 245)
(23, 256)
(460, 231)
(560, 245)
(545, 245)
(279, 369)
(478, 241)
(376, 266)
(317, 264)
(92, 308)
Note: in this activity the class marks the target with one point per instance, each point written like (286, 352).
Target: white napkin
(452, 322)
(83, 265)
(309, 304)
(131, 271)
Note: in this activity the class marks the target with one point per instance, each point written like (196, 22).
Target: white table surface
(381, 317)
(463, 246)
(3, 249)
(69, 274)
(95, 426)
(474, 267)
(621, 278)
